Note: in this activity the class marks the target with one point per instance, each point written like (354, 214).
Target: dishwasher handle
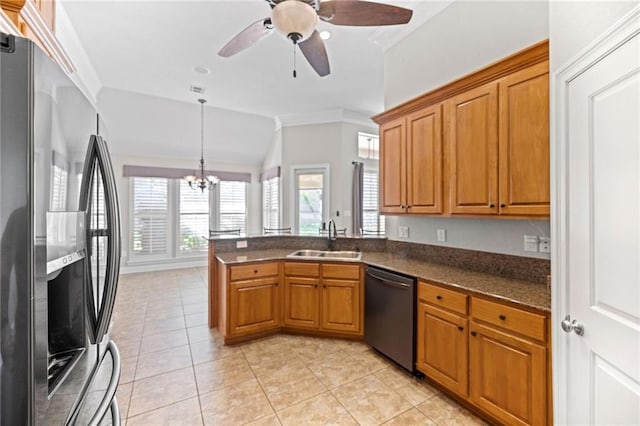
(388, 281)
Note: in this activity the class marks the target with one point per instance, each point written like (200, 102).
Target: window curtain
(356, 198)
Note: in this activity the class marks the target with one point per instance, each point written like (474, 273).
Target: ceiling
(152, 47)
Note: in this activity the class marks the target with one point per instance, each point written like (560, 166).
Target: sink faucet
(330, 236)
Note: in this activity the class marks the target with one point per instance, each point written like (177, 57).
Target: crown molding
(324, 117)
(6, 24)
(41, 30)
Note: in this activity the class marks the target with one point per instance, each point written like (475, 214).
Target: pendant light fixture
(201, 181)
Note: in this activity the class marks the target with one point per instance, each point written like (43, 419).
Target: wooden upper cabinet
(472, 140)
(424, 161)
(393, 167)
(524, 142)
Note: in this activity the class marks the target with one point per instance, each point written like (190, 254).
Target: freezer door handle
(109, 400)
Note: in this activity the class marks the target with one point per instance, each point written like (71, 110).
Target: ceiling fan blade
(362, 13)
(313, 49)
(247, 37)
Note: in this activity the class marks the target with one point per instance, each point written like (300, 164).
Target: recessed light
(325, 35)
(202, 70)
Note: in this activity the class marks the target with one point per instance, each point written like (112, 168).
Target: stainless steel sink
(319, 254)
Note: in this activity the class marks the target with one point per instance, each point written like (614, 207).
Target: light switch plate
(241, 244)
(442, 235)
(531, 243)
(403, 231)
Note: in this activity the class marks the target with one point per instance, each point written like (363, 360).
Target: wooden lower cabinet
(442, 347)
(254, 305)
(341, 305)
(507, 376)
(331, 301)
(491, 355)
(302, 302)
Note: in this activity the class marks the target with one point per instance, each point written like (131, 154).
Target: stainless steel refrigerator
(60, 248)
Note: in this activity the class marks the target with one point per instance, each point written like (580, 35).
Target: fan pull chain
(295, 73)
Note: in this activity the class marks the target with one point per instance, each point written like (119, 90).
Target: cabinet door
(442, 347)
(472, 140)
(393, 167)
(341, 307)
(302, 302)
(507, 376)
(253, 305)
(424, 161)
(524, 142)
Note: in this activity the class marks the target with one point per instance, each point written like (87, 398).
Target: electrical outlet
(442, 235)
(403, 231)
(531, 243)
(545, 245)
(241, 244)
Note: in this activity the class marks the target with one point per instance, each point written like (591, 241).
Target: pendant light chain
(203, 182)
(202, 101)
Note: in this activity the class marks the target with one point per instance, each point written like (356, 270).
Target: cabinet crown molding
(527, 57)
(12, 5)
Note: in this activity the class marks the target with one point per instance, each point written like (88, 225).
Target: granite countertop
(525, 293)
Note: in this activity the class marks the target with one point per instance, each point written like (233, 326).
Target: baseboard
(162, 266)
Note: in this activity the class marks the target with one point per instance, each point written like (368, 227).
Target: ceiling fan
(297, 20)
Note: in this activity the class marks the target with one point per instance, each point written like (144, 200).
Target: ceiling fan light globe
(292, 17)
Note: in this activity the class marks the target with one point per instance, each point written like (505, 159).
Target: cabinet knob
(461, 328)
(439, 297)
(474, 334)
(502, 317)
(324, 286)
(402, 206)
(503, 205)
(255, 271)
(491, 205)
(316, 286)
(276, 284)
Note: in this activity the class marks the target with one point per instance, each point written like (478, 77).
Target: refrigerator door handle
(109, 400)
(98, 160)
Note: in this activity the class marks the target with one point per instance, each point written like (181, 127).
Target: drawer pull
(255, 271)
(439, 297)
(502, 317)
(474, 334)
(461, 328)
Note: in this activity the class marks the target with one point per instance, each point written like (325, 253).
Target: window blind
(271, 203)
(371, 219)
(150, 216)
(194, 219)
(232, 205)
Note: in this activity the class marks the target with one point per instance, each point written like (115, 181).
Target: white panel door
(603, 236)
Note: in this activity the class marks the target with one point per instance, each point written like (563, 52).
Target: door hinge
(7, 43)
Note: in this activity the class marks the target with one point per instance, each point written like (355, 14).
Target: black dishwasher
(389, 315)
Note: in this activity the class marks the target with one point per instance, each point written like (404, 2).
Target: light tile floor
(176, 371)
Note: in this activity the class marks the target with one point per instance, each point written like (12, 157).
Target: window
(58, 200)
(271, 203)
(368, 146)
(232, 213)
(150, 221)
(193, 218)
(371, 219)
(310, 199)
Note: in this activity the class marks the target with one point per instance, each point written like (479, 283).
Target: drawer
(519, 321)
(341, 271)
(443, 298)
(253, 270)
(302, 269)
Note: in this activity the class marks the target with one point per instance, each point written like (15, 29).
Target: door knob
(568, 326)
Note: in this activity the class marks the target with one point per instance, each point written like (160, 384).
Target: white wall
(574, 24)
(334, 144)
(459, 40)
(254, 194)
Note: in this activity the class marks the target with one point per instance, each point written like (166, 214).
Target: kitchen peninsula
(488, 310)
